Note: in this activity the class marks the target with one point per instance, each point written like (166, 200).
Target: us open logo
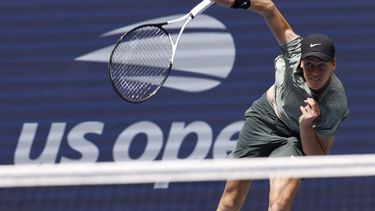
(204, 57)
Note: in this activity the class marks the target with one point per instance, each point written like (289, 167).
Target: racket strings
(140, 62)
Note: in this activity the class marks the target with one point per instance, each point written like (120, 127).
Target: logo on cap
(313, 45)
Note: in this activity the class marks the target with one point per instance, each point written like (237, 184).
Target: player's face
(317, 72)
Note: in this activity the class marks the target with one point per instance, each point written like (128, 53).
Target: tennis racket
(142, 59)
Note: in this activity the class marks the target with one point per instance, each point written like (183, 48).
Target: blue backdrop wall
(58, 106)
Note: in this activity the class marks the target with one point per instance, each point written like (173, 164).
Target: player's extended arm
(273, 17)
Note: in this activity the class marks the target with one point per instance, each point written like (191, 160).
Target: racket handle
(201, 7)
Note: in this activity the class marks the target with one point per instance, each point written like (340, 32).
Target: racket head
(140, 62)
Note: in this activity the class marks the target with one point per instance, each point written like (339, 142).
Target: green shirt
(291, 91)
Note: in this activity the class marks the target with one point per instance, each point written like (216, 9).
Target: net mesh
(330, 183)
(140, 62)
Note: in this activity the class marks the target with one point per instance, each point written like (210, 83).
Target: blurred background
(58, 106)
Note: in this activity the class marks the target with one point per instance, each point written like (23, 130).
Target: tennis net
(336, 182)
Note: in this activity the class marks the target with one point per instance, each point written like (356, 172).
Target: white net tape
(138, 172)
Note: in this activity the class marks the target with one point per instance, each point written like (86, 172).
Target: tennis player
(298, 115)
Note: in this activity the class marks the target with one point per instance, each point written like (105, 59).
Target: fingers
(307, 110)
(310, 112)
(312, 105)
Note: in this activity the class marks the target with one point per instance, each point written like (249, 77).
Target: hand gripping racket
(142, 58)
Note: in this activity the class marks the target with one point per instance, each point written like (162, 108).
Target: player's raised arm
(273, 17)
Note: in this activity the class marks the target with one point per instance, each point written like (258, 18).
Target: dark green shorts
(264, 135)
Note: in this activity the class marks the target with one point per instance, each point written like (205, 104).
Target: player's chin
(315, 84)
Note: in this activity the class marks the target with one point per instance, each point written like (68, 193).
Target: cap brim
(322, 56)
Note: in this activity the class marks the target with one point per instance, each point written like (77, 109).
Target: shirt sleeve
(329, 126)
(290, 57)
(292, 49)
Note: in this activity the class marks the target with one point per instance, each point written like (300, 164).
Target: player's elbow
(324, 151)
(316, 152)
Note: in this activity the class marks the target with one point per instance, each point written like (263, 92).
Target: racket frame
(157, 25)
(201, 7)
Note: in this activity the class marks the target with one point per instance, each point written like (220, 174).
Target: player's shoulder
(337, 85)
(294, 43)
(335, 96)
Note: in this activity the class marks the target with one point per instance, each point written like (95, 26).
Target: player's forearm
(279, 26)
(227, 3)
(310, 143)
(273, 17)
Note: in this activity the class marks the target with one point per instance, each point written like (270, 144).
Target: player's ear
(334, 65)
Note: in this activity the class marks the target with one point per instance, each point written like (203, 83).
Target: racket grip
(201, 7)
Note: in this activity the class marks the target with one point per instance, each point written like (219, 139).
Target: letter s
(76, 139)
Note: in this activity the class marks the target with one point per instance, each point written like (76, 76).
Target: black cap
(318, 45)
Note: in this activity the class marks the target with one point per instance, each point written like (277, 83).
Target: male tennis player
(297, 116)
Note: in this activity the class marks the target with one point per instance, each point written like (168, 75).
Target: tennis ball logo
(204, 58)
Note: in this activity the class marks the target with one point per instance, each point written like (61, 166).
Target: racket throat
(179, 36)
